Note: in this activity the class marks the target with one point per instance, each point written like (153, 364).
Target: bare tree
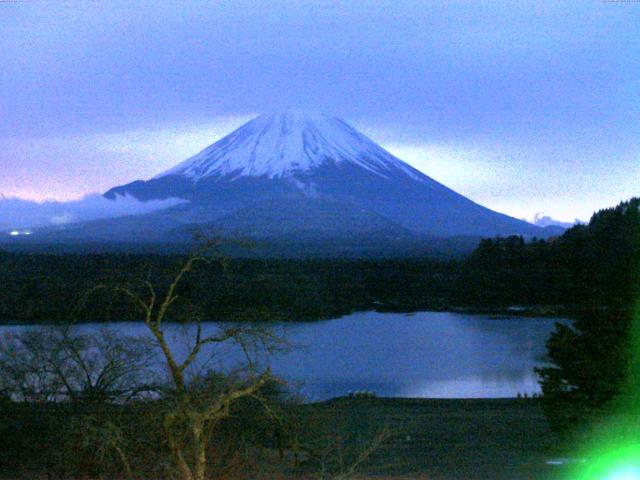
(60, 363)
(196, 408)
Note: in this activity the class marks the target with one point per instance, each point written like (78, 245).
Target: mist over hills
(17, 214)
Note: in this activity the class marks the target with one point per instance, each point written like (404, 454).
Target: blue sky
(522, 106)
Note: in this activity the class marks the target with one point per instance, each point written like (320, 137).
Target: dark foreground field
(422, 439)
(446, 439)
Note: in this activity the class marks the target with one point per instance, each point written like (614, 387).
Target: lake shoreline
(507, 313)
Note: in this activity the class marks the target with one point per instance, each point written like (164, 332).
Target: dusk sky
(521, 106)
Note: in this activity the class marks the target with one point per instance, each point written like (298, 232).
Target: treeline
(591, 378)
(589, 266)
(55, 288)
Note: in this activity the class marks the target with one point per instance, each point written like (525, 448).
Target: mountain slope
(284, 145)
(300, 161)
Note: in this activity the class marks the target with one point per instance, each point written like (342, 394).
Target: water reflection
(426, 354)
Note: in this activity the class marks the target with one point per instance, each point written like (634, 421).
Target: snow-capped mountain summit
(296, 175)
(285, 144)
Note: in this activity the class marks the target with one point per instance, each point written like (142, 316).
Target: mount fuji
(300, 176)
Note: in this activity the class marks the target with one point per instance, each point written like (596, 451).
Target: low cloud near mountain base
(16, 213)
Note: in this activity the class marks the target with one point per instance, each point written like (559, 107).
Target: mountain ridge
(289, 177)
(298, 157)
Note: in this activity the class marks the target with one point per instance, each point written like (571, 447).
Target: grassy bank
(445, 439)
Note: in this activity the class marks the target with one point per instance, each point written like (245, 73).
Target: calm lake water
(426, 354)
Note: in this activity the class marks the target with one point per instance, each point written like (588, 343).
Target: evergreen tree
(591, 358)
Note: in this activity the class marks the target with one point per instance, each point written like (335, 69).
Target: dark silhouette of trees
(60, 363)
(591, 358)
(590, 364)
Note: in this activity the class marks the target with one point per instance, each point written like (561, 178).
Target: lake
(425, 354)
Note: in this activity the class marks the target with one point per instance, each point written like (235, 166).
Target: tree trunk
(176, 449)
(200, 448)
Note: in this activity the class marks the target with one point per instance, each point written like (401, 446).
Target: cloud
(16, 213)
(543, 220)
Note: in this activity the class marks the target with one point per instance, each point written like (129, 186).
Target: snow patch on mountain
(283, 145)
